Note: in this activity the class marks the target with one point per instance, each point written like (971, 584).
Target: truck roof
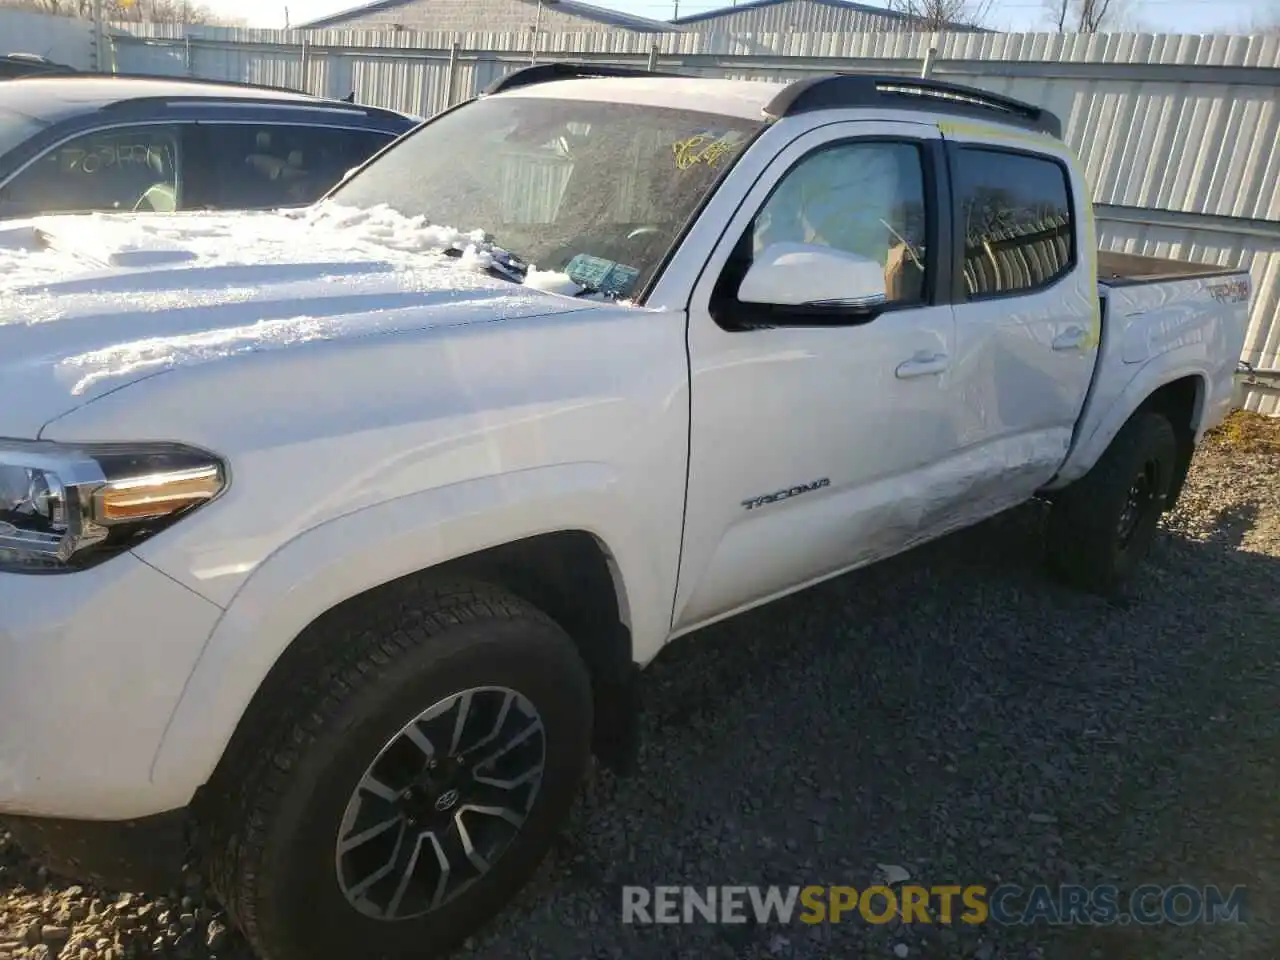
(745, 99)
(770, 100)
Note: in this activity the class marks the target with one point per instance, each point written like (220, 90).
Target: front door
(814, 448)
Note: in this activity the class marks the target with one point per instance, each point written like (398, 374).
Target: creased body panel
(862, 524)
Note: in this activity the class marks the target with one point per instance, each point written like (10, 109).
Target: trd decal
(1233, 291)
(780, 495)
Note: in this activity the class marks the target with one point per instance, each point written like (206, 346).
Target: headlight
(67, 507)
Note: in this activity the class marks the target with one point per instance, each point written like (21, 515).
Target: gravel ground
(953, 712)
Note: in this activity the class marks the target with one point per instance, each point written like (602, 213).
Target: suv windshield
(596, 190)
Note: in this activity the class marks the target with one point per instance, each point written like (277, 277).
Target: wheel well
(567, 575)
(1180, 401)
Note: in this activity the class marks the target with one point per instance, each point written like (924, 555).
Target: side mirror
(802, 274)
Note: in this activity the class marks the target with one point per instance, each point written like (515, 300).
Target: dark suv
(86, 142)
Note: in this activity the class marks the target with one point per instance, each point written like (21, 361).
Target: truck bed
(1117, 269)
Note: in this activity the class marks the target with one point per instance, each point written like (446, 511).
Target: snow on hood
(91, 302)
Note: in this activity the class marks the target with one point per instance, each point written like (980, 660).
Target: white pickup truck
(332, 541)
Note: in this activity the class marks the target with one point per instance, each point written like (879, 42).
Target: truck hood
(91, 303)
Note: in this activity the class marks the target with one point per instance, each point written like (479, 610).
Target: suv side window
(120, 169)
(257, 165)
(1015, 214)
(866, 197)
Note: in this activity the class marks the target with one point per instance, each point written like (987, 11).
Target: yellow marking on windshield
(701, 148)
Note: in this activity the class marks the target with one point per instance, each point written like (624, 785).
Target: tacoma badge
(786, 494)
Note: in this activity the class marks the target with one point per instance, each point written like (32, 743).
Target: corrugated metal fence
(1178, 134)
(63, 39)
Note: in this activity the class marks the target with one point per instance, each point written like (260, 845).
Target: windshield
(599, 191)
(16, 129)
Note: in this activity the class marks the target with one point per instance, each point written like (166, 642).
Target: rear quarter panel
(1154, 334)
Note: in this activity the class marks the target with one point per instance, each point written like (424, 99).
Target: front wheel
(403, 795)
(1102, 526)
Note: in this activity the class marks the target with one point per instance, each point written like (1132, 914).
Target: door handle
(1069, 339)
(922, 365)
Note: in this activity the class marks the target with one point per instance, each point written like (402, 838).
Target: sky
(1164, 16)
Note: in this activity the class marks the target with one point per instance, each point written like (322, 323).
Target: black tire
(271, 846)
(1092, 541)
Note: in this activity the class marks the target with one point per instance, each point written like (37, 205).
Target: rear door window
(120, 169)
(1016, 214)
(263, 165)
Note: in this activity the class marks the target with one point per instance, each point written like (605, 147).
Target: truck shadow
(958, 712)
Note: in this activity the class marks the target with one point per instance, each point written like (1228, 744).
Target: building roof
(615, 18)
(839, 4)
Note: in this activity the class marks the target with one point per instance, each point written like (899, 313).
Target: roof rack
(562, 70)
(830, 92)
(205, 81)
(890, 91)
(231, 99)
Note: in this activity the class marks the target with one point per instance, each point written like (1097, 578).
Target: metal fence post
(928, 62)
(653, 58)
(98, 37)
(451, 81)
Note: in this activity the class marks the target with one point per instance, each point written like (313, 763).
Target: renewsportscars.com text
(1007, 904)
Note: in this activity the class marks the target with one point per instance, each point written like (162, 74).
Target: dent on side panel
(1160, 320)
(894, 514)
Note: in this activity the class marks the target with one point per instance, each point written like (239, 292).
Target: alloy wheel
(440, 803)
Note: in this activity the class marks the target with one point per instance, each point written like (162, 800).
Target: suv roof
(55, 97)
(771, 100)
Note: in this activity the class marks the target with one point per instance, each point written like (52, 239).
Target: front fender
(352, 554)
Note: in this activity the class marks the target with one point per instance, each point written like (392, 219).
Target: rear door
(1027, 309)
(264, 165)
(817, 447)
